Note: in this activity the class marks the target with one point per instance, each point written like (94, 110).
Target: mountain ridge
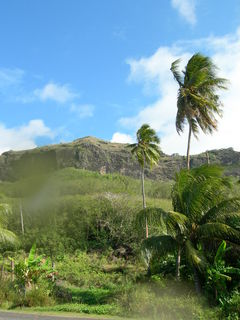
(95, 154)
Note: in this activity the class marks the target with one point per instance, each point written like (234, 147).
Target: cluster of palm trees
(202, 207)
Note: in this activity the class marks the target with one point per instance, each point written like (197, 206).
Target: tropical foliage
(81, 234)
(198, 101)
(218, 274)
(5, 234)
(201, 215)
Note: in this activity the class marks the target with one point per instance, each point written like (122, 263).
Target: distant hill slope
(105, 157)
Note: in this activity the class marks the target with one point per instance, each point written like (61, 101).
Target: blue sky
(72, 68)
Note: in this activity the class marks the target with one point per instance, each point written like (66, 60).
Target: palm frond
(220, 252)
(7, 236)
(198, 100)
(147, 148)
(176, 221)
(162, 245)
(175, 71)
(155, 217)
(222, 210)
(220, 231)
(196, 191)
(5, 210)
(195, 257)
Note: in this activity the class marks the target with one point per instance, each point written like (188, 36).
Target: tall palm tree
(5, 234)
(147, 152)
(201, 214)
(198, 101)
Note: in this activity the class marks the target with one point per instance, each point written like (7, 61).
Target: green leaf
(160, 244)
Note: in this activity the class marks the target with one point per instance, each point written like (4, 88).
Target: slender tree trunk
(208, 160)
(21, 216)
(216, 294)
(2, 269)
(12, 270)
(144, 199)
(196, 281)
(143, 190)
(178, 263)
(53, 275)
(188, 147)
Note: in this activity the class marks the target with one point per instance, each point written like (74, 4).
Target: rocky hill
(98, 155)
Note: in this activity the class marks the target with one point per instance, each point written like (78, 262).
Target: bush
(108, 309)
(166, 300)
(7, 293)
(38, 297)
(11, 297)
(231, 307)
(87, 271)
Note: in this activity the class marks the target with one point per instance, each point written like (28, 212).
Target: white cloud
(55, 92)
(122, 138)
(10, 77)
(21, 138)
(154, 72)
(186, 9)
(82, 110)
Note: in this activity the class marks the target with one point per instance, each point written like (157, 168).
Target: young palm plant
(5, 234)
(201, 211)
(147, 152)
(198, 101)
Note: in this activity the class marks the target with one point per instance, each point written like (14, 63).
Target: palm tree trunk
(178, 263)
(21, 216)
(188, 147)
(144, 198)
(196, 281)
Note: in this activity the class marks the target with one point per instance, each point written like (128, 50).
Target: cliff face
(98, 155)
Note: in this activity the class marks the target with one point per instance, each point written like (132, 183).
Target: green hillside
(87, 254)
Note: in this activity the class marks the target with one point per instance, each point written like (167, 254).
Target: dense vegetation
(87, 242)
(88, 255)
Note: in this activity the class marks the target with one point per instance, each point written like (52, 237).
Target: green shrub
(165, 300)
(91, 296)
(231, 306)
(8, 293)
(38, 297)
(105, 309)
(87, 271)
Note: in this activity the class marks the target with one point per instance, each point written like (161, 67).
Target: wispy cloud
(23, 137)
(154, 71)
(186, 9)
(10, 77)
(55, 92)
(82, 110)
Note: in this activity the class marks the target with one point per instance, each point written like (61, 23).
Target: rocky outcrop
(98, 155)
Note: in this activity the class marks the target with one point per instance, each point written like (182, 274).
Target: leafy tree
(147, 152)
(201, 211)
(198, 101)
